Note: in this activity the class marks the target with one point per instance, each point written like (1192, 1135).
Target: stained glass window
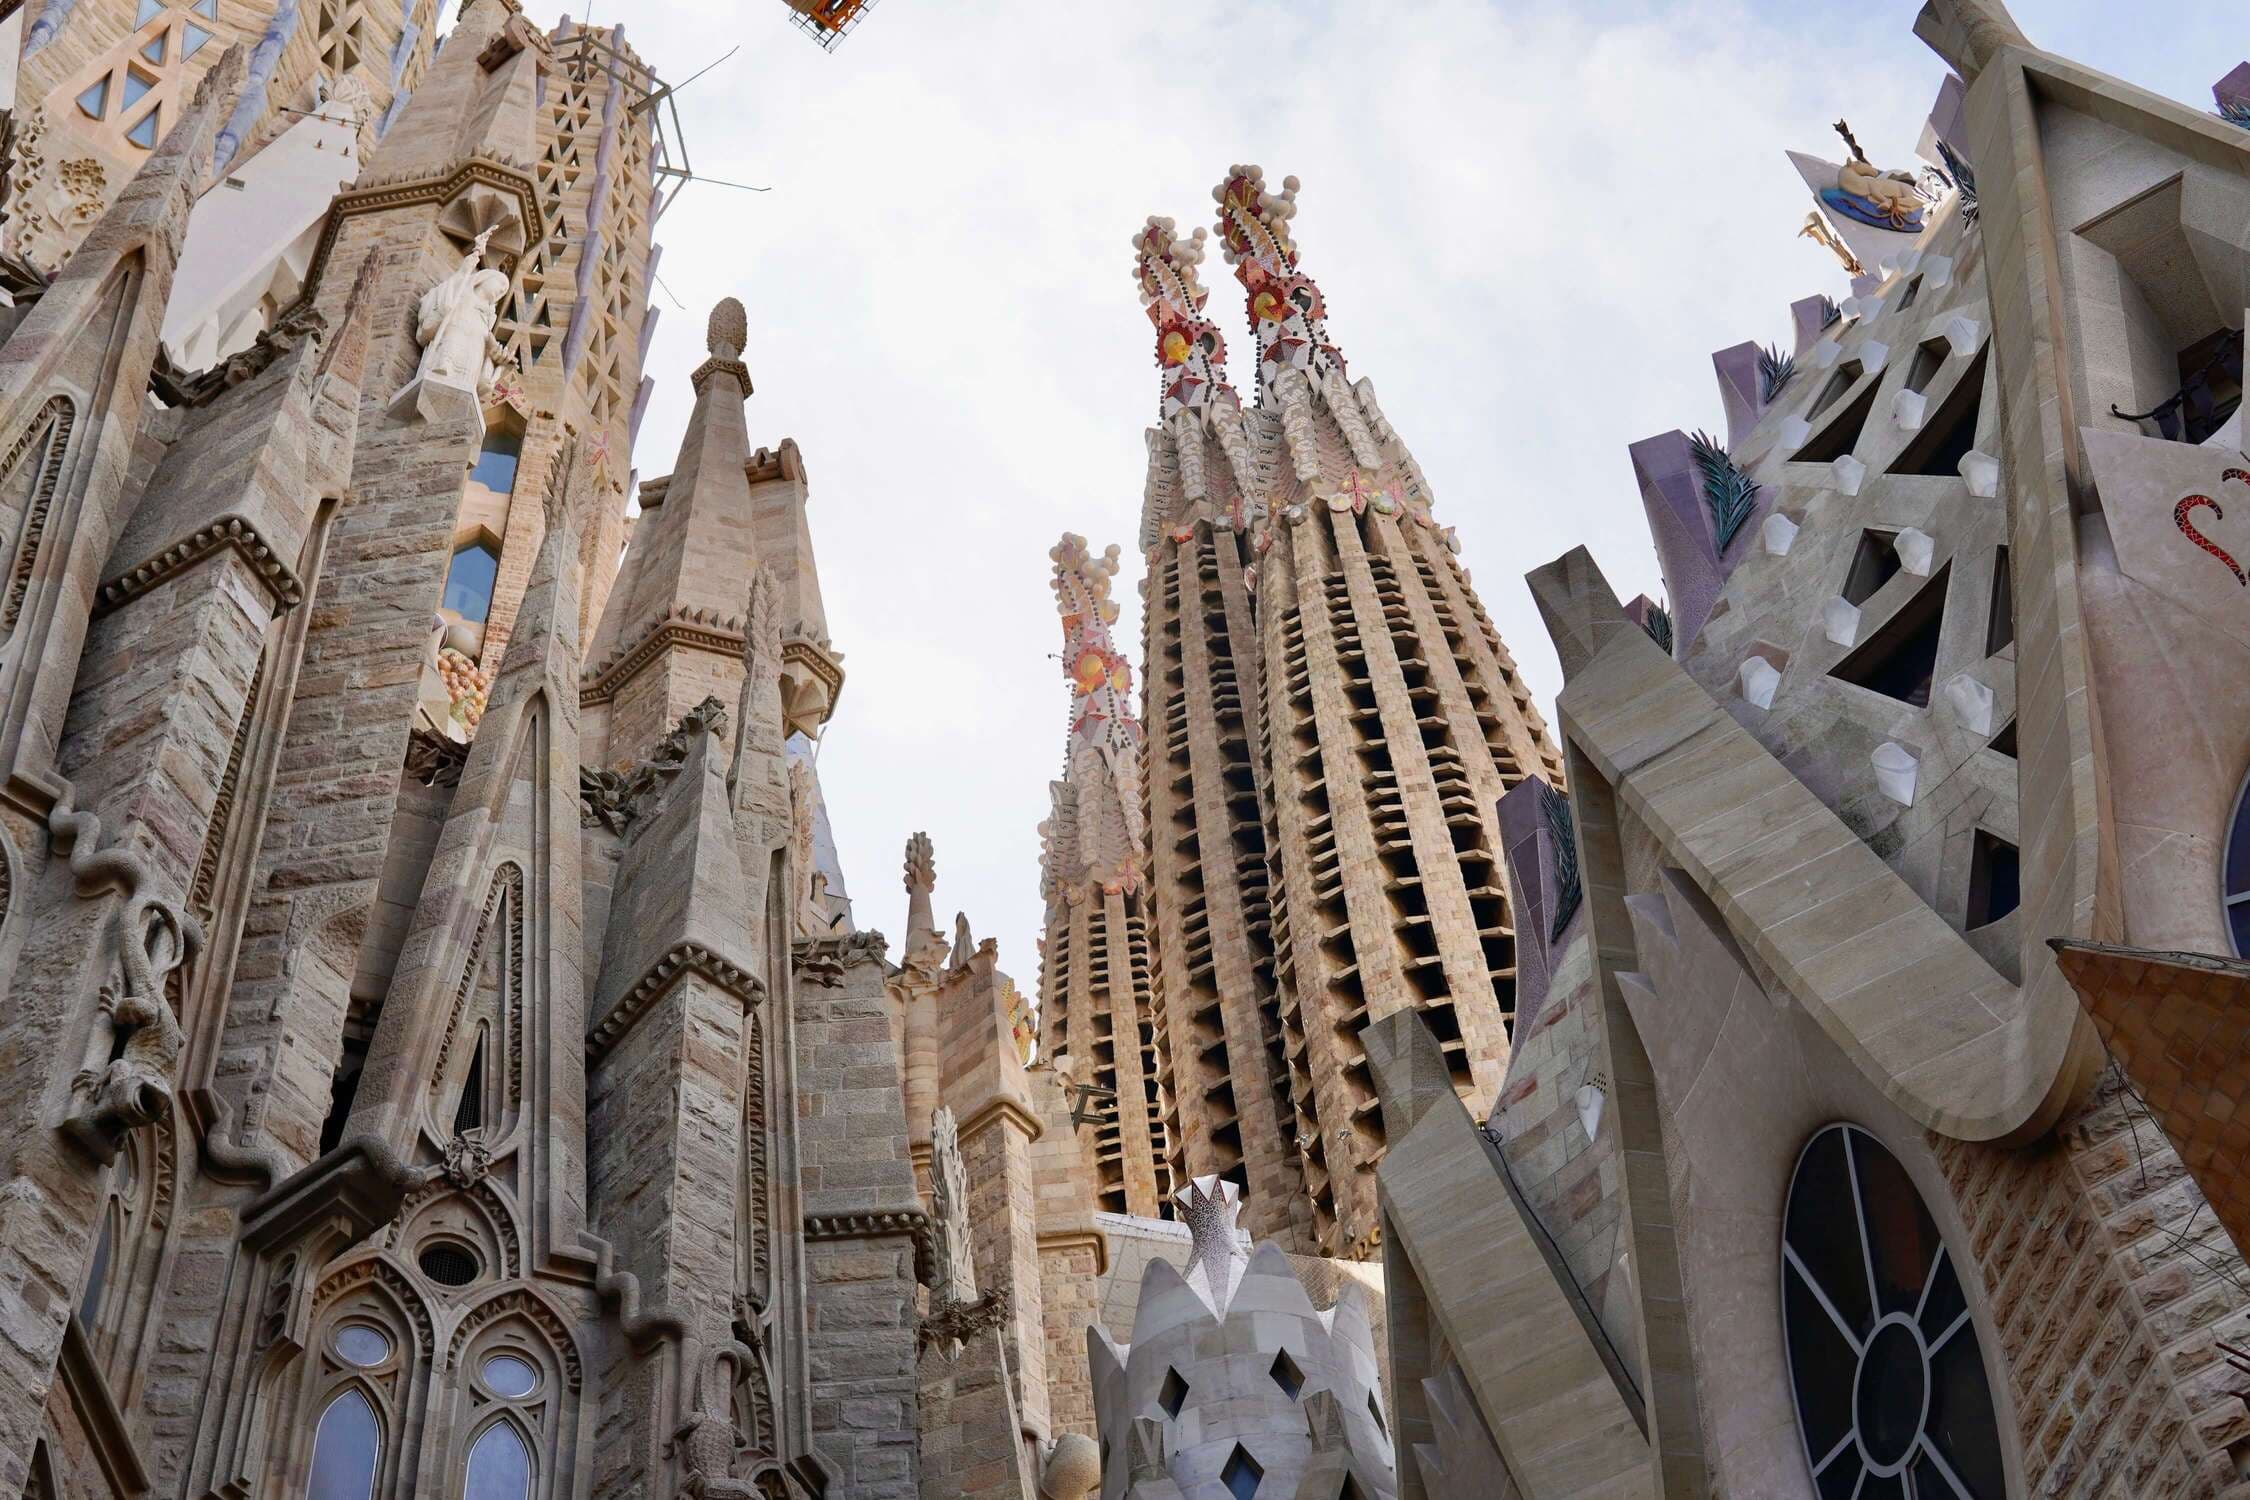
(499, 1466)
(362, 1344)
(1883, 1356)
(94, 103)
(510, 1375)
(143, 132)
(345, 1449)
(193, 39)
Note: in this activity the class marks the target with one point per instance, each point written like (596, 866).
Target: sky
(1533, 223)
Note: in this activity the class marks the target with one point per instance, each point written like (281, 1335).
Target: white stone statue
(454, 324)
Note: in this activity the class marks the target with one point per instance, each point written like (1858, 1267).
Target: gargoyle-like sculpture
(134, 1054)
(713, 1451)
(614, 799)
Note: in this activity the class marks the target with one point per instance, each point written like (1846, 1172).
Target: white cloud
(1533, 224)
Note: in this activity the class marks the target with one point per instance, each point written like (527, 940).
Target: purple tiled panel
(2235, 87)
(1528, 847)
(1737, 369)
(1679, 522)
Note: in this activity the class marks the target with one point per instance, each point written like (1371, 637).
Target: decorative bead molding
(676, 964)
(693, 630)
(715, 366)
(880, 1224)
(226, 532)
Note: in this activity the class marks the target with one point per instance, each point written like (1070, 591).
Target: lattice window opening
(132, 92)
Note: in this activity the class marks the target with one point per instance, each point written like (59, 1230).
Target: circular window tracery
(509, 1375)
(362, 1344)
(1884, 1362)
(449, 1263)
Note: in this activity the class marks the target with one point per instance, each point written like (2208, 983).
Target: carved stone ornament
(177, 387)
(468, 1157)
(615, 799)
(134, 1054)
(949, 1324)
(956, 1279)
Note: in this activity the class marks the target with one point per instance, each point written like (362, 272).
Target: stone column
(866, 1231)
(985, 1089)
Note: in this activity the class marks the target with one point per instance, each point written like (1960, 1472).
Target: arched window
(2235, 889)
(1884, 1365)
(499, 1465)
(346, 1449)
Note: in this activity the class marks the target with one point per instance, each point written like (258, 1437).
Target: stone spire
(925, 946)
(1093, 840)
(1299, 366)
(1197, 408)
(1206, 497)
(1096, 999)
(1396, 721)
(673, 630)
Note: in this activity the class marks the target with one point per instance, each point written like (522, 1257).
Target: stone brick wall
(2111, 1284)
(1068, 1273)
(861, 1221)
(665, 1124)
(1006, 1238)
(865, 1392)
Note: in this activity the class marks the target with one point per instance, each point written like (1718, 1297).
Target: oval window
(499, 1466)
(507, 1375)
(362, 1344)
(1884, 1364)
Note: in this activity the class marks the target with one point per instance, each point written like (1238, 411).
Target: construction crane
(827, 22)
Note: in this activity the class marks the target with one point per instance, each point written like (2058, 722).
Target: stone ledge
(674, 964)
(228, 531)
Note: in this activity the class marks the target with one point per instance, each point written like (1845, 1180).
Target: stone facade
(1916, 795)
(419, 1100)
(448, 1061)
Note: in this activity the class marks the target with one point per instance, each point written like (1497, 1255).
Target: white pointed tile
(1972, 703)
(1841, 617)
(1758, 679)
(1895, 768)
(1982, 473)
(1915, 548)
(1779, 533)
